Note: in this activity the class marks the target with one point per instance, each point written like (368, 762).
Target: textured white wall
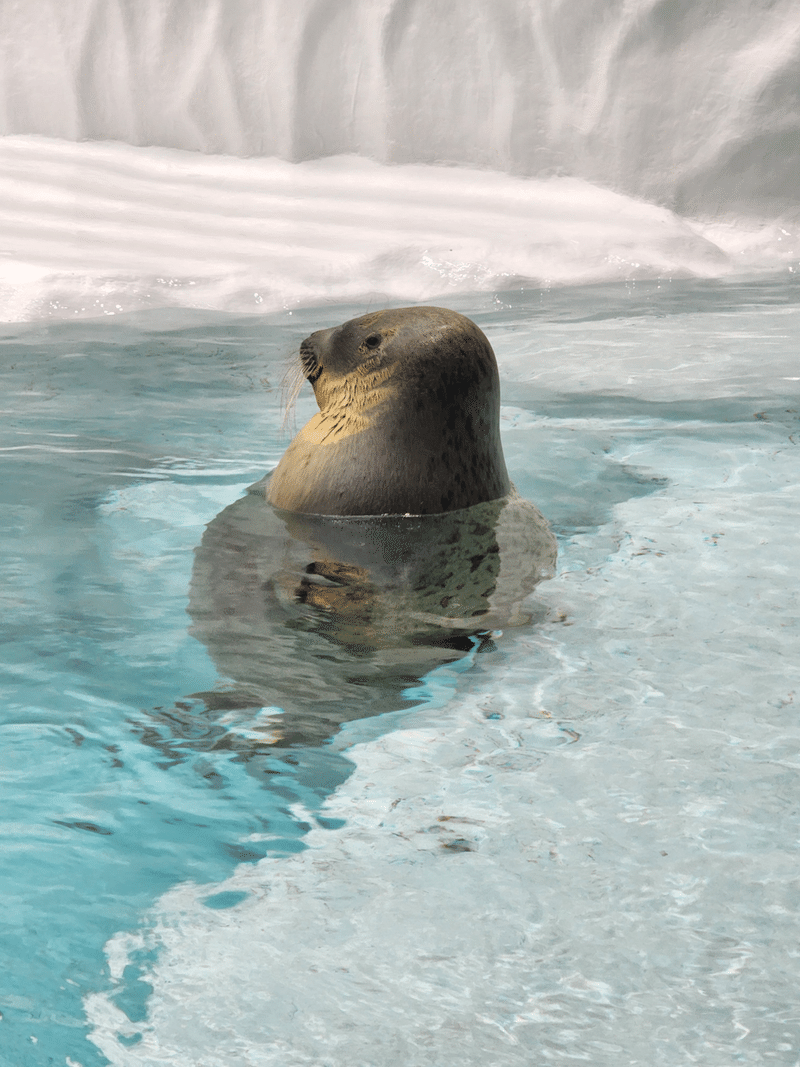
(691, 103)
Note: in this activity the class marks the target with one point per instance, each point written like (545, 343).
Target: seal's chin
(309, 362)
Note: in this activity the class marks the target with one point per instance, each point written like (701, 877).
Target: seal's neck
(386, 457)
(349, 407)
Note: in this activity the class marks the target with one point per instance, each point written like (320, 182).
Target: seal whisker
(293, 380)
(309, 362)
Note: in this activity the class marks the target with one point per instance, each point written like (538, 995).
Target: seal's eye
(373, 340)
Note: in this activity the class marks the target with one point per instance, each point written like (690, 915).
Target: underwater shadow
(317, 621)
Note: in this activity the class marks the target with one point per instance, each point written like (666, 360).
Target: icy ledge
(101, 228)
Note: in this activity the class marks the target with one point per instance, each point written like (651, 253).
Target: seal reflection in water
(388, 540)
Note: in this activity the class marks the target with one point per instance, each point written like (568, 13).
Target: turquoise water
(121, 438)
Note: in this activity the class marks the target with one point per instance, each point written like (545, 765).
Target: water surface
(580, 846)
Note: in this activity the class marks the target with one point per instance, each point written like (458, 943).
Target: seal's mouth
(309, 362)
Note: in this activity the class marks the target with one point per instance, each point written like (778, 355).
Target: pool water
(579, 846)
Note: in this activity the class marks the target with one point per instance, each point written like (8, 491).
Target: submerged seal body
(388, 540)
(408, 423)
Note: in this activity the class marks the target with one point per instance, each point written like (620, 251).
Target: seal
(409, 419)
(388, 540)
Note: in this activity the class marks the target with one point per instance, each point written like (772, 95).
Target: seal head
(408, 424)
